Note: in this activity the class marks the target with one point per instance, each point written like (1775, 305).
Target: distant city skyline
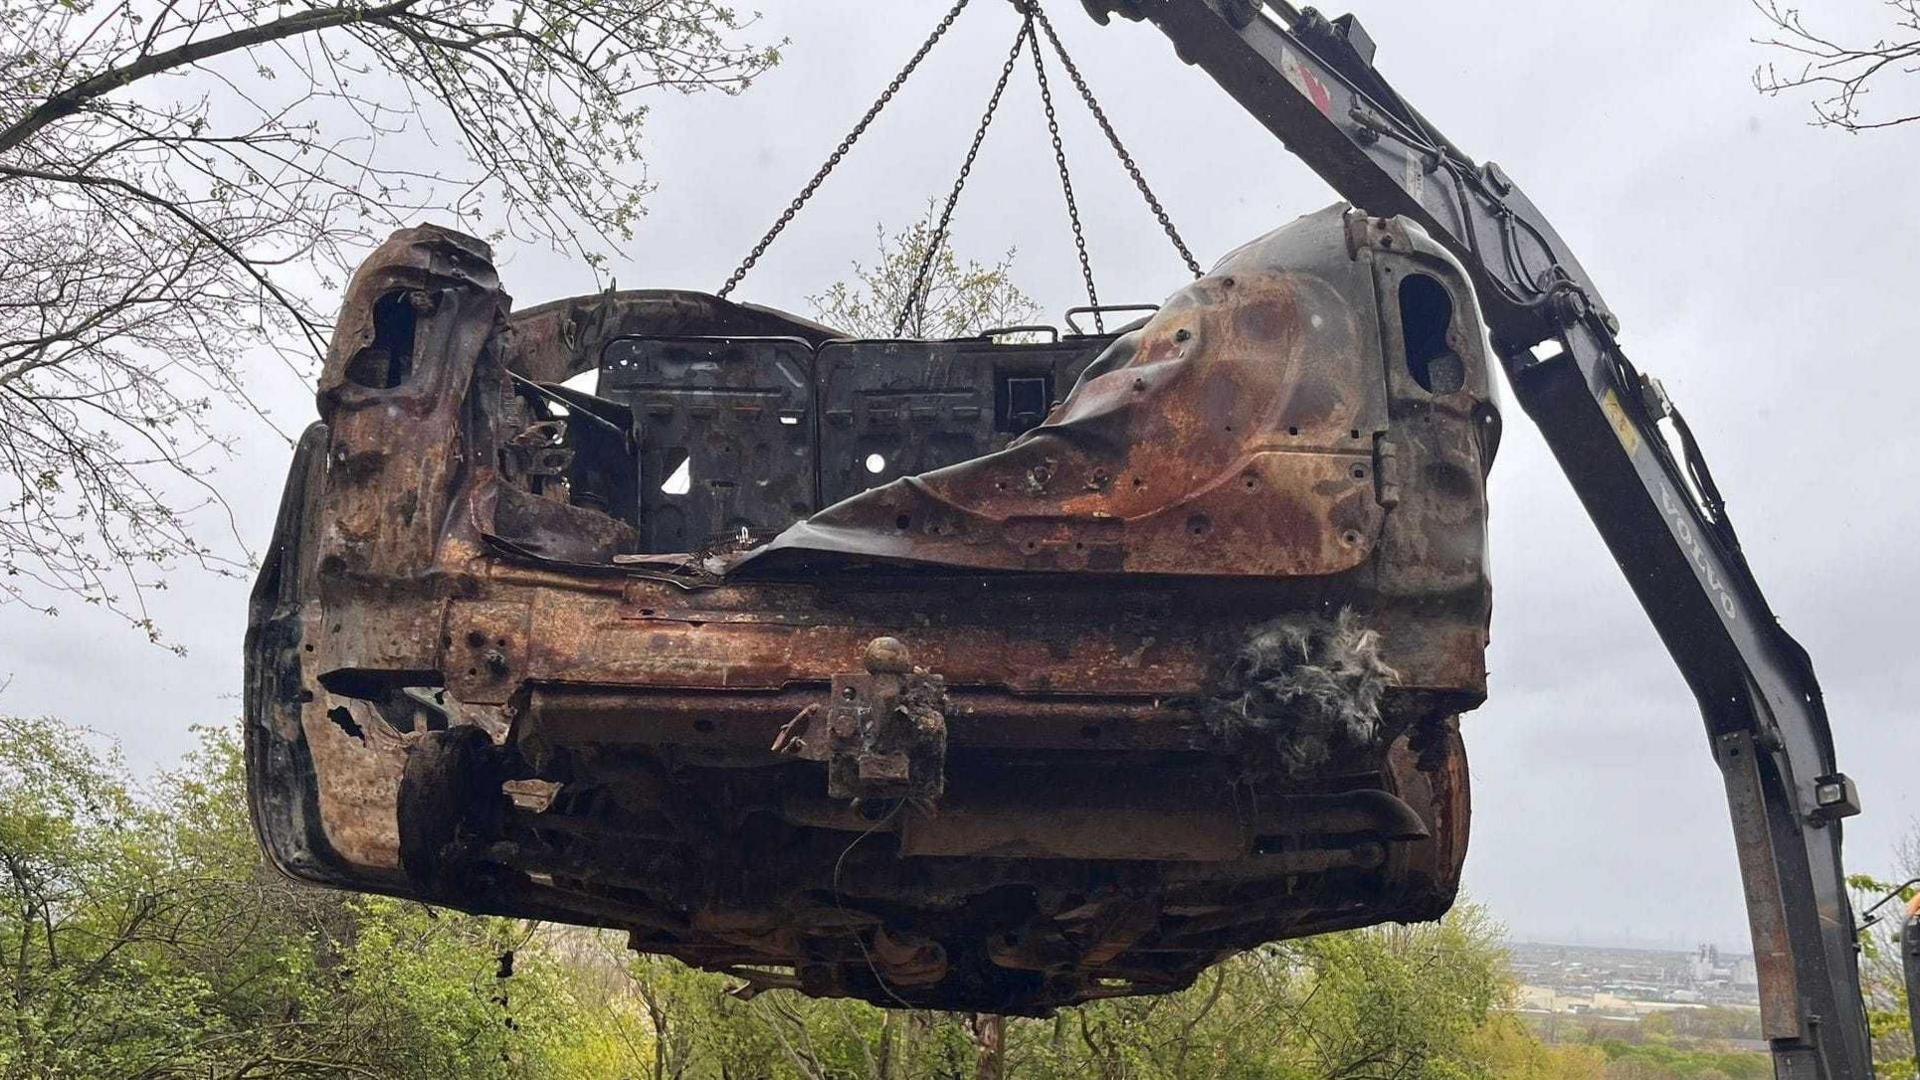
(1626, 939)
(1561, 978)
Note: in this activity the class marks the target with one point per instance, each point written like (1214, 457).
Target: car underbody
(982, 674)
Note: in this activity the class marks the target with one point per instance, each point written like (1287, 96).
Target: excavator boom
(1311, 81)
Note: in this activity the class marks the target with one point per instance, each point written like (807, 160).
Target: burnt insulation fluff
(1301, 689)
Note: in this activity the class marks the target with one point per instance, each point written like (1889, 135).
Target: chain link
(840, 151)
(916, 300)
(1106, 126)
(916, 296)
(1066, 179)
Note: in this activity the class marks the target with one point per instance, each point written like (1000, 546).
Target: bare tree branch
(184, 183)
(70, 100)
(1837, 75)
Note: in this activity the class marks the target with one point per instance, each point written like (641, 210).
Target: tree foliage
(1882, 977)
(1404, 1002)
(180, 182)
(141, 935)
(960, 298)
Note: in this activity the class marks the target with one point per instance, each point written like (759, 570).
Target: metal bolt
(1364, 132)
(496, 661)
(1568, 308)
(888, 656)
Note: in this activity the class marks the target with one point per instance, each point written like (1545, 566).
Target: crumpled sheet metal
(1232, 434)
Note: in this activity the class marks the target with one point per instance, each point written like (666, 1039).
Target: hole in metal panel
(1020, 400)
(1426, 316)
(387, 361)
(680, 480)
(343, 719)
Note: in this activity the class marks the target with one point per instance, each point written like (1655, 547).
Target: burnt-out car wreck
(970, 674)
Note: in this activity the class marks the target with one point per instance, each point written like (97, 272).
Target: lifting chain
(1113, 139)
(916, 298)
(840, 151)
(1032, 16)
(1066, 179)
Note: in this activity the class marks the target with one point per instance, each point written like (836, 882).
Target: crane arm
(1311, 81)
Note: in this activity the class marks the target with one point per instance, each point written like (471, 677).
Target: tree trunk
(990, 1046)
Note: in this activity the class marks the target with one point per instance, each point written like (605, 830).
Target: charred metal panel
(1233, 434)
(552, 342)
(726, 435)
(416, 319)
(419, 315)
(899, 408)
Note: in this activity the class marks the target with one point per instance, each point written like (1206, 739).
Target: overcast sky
(1762, 268)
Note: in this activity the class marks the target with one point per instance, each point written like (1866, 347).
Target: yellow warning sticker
(1622, 423)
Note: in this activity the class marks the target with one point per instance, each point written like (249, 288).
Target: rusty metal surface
(1226, 436)
(466, 685)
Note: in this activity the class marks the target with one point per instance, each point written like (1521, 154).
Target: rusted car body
(970, 674)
